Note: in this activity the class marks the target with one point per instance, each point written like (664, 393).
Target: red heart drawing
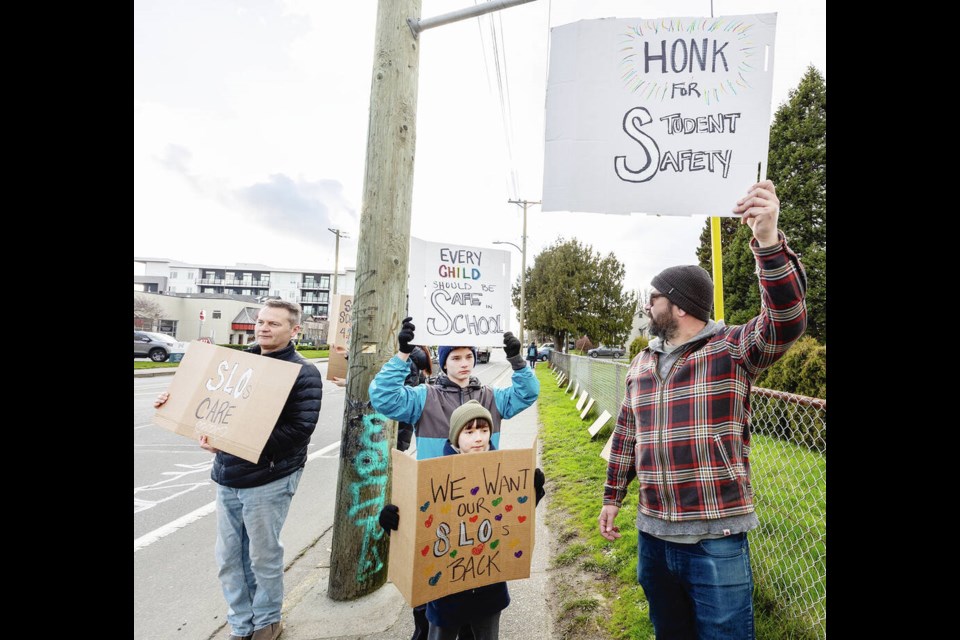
(474, 518)
(521, 518)
(509, 507)
(429, 521)
(477, 550)
(424, 551)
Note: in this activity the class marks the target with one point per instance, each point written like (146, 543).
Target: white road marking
(146, 540)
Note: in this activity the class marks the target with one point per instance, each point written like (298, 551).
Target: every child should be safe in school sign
(666, 115)
(459, 294)
(466, 521)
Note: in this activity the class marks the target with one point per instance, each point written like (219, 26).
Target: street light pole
(523, 267)
(336, 259)
(523, 259)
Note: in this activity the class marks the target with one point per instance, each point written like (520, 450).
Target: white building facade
(313, 290)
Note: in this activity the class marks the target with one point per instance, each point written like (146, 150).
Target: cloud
(300, 208)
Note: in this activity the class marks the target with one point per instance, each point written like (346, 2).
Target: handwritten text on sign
(459, 295)
(666, 115)
(230, 396)
(465, 521)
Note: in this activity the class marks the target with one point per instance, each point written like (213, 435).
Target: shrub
(639, 344)
(802, 370)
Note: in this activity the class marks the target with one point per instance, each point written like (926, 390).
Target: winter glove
(538, 481)
(511, 345)
(405, 337)
(390, 517)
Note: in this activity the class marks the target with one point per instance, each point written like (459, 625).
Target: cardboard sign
(336, 363)
(466, 520)
(230, 396)
(342, 321)
(667, 115)
(459, 295)
(341, 326)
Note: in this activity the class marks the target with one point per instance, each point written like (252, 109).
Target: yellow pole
(717, 261)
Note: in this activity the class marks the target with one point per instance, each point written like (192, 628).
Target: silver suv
(156, 346)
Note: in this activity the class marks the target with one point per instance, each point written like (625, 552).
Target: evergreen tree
(573, 291)
(798, 167)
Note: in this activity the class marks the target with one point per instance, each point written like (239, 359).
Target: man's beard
(666, 328)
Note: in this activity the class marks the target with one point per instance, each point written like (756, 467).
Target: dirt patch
(577, 599)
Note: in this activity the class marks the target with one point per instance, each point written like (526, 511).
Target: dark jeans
(700, 591)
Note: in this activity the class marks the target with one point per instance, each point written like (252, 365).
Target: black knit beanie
(689, 287)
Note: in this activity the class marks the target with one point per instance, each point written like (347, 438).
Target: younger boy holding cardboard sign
(470, 427)
(430, 407)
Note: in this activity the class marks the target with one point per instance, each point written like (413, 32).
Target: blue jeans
(249, 552)
(698, 591)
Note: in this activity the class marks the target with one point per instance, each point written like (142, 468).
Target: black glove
(390, 518)
(538, 481)
(405, 337)
(511, 345)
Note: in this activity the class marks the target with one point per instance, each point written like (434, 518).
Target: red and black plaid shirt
(686, 437)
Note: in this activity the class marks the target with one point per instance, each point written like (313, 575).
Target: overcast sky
(250, 128)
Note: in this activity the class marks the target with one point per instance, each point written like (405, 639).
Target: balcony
(313, 299)
(263, 284)
(315, 284)
(218, 281)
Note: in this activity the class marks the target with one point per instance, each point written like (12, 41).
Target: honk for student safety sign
(466, 520)
(666, 115)
(233, 398)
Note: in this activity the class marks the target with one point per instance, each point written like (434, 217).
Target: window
(324, 282)
(216, 315)
(190, 275)
(211, 275)
(246, 292)
(247, 277)
(171, 289)
(276, 292)
(173, 274)
(189, 289)
(229, 276)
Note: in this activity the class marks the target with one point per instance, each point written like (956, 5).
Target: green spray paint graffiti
(368, 495)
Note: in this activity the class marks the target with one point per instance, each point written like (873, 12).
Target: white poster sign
(666, 116)
(459, 295)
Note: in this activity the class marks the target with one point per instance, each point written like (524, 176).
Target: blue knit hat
(443, 352)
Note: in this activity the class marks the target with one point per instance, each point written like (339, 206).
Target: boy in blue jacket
(429, 406)
(470, 432)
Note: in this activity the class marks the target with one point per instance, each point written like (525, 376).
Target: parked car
(602, 351)
(544, 351)
(156, 346)
(483, 355)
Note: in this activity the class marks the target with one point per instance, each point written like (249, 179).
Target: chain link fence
(788, 472)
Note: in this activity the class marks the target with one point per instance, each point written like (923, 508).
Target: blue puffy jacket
(429, 406)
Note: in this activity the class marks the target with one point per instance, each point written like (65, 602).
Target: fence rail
(788, 473)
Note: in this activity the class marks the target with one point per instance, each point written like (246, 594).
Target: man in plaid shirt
(683, 432)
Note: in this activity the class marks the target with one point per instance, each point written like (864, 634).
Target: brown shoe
(269, 633)
(233, 637)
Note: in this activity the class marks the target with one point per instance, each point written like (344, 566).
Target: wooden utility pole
(358, 560)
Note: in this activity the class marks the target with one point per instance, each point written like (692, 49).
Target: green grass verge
(154, 365)
(780, 547)
(315, 353)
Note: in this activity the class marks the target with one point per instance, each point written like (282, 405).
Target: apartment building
(312, 289)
